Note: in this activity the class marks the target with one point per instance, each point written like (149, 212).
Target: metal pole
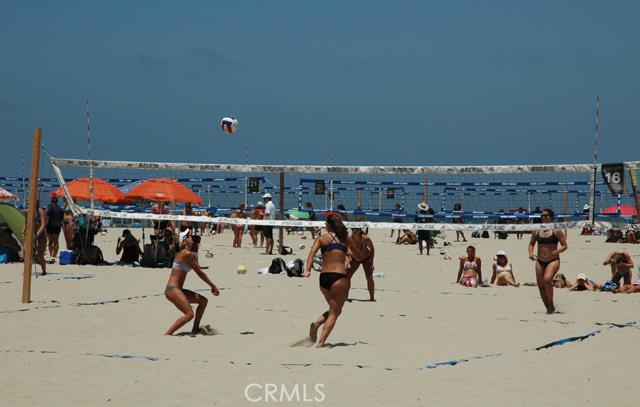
(90, 161)
(331, 193)
(595, 164)
(281, 231)
(31, 216)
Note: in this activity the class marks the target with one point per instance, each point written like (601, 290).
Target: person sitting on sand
(584, 284)
(408, 237)
(365, 244)
(470, 270)
(334, 279)
(10, 246)
(621, 266)
(184, 262)
(503, 271)
(634, 287)
(130, 248)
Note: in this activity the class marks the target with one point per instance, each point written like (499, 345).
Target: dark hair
(550, 212)
(334, 222)
(196, 239)
(471, 247)
(309, 205)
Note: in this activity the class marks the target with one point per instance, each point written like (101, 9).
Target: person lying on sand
(584, 284)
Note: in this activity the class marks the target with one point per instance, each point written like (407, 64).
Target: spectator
(68, 228)
(312, 218)
(269, 214)
(423, 235)
(396, 217)
(255, 230)
(55, 216)
(503, 271)
(470, 270)
(160, 209)
(9, 246)
(408, 237)
(584, 284)
(130, 248)
(621, 266)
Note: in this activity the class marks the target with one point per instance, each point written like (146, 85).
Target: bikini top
(181, 266)
(500, 269)
(334, 245)
(470, 265)
(553, 239)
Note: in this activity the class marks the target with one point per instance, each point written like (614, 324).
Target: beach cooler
(67, 257)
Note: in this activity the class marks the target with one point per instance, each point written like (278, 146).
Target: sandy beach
(92, 335)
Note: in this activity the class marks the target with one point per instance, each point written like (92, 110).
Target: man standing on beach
(269, 214)
(55, 215)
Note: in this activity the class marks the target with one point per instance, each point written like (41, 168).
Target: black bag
(90, 255)
(485, 234)
(286, 250)
(295, 268)
(475, 234)
(277, 266)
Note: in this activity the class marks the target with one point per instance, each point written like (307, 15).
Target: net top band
(319, 169)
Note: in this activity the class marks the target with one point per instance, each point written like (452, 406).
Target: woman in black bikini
(364, 242)
(334, 281)
(181, 298)
(548, 259)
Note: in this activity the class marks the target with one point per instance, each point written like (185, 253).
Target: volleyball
(242, 270)
(229, 124)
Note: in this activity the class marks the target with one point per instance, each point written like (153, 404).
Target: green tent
(298, 214)
(14, 218)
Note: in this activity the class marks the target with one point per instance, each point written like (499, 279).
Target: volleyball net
(465, 198)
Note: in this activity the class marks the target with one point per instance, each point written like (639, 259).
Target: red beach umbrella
(624, 210)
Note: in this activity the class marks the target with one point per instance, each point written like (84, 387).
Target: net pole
(359, 198)
(425, 195)
(595, 163)
(331, 194)
(31, 216)
(246, 192)
(634, 189)
(281, 230)
(90, 161)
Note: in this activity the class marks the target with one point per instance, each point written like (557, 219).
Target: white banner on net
(372, 225)
(311, 169)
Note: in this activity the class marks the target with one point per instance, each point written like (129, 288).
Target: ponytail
(334, 222)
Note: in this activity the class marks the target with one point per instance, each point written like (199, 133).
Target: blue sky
(342, 82)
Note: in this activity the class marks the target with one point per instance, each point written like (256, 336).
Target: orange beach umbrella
(163, 189)
(102, 191)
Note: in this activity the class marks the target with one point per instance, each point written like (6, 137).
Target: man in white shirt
(269, 214)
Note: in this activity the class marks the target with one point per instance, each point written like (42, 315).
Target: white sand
(48, 353)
